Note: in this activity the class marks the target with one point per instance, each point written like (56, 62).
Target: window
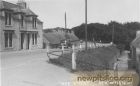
(34, 38)
(34, 22)
(8, 17)
(22, 20)
(8, 39)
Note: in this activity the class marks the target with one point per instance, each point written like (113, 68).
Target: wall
(16, 27)
(0, 34)
(138, 53)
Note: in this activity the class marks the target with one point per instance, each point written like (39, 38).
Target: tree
(123, 33)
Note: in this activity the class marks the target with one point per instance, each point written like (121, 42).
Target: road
(26, 69)
(23, 68)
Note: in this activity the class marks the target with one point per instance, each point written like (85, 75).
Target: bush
(121, 47)
(92, 59)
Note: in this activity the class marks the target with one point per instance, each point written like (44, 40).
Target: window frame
(8, 18)
(34, 22)
(22, 20)
(34, 38)
(8, 37)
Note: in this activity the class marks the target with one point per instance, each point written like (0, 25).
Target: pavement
(30, 68)
(122, 63)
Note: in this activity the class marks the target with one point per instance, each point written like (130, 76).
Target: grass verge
(92, 59)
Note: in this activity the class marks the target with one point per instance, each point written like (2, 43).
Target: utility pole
(65, 21)
(113, 34)
(85, 24)
(65, 32)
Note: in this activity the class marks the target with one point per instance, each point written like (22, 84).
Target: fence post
(73, 58)
(90, 46)
(93, 45)
(80, 46)
(48, 48)
(62, 48)
(116, 68)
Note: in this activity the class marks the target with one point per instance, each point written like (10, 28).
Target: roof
(56, 37)
(8, 5)
(136, 42)
(73, 37)
(28, 12)
(52, 38)
(15, 8)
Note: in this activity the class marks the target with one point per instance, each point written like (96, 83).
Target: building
(20, 28)
(55, 36)
(136, 51)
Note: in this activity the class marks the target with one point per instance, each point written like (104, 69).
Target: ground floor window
(8, 39)
(34, 38)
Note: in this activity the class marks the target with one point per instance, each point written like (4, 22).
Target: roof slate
(57, 38)
(52, 38)
(16, 8)
(9, 5)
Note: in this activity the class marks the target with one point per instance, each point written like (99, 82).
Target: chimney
(138, 33)
(1, 4)
(22, 4)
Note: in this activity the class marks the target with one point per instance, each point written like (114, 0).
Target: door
(28, 41)
(22, 40)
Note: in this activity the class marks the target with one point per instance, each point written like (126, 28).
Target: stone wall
(138, 54)
(17, 29)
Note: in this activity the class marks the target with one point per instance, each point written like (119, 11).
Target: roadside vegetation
(93, 59)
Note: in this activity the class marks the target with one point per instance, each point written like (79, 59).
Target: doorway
(22, 40)
(28, 41)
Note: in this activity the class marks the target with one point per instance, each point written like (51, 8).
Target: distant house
(54, 37)
(136, 51)
(20, 28)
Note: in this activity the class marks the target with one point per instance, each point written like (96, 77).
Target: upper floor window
(22, 20)
(34, 22)
(8, 18)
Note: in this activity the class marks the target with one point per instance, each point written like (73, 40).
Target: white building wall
(2, 34)
(16, 26)
(138, 53)
(40, 36)
(0, 26)
(138, 33)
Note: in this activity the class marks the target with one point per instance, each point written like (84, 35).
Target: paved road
(31, 70)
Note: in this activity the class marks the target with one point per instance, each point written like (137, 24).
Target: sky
(52, 12)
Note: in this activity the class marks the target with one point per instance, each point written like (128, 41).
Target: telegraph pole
(113, 34)
(65, 21)
(65, 32)
(85, 24)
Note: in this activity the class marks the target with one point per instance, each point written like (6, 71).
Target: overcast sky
(51, 12)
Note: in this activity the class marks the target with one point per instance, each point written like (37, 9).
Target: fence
(74, 50)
